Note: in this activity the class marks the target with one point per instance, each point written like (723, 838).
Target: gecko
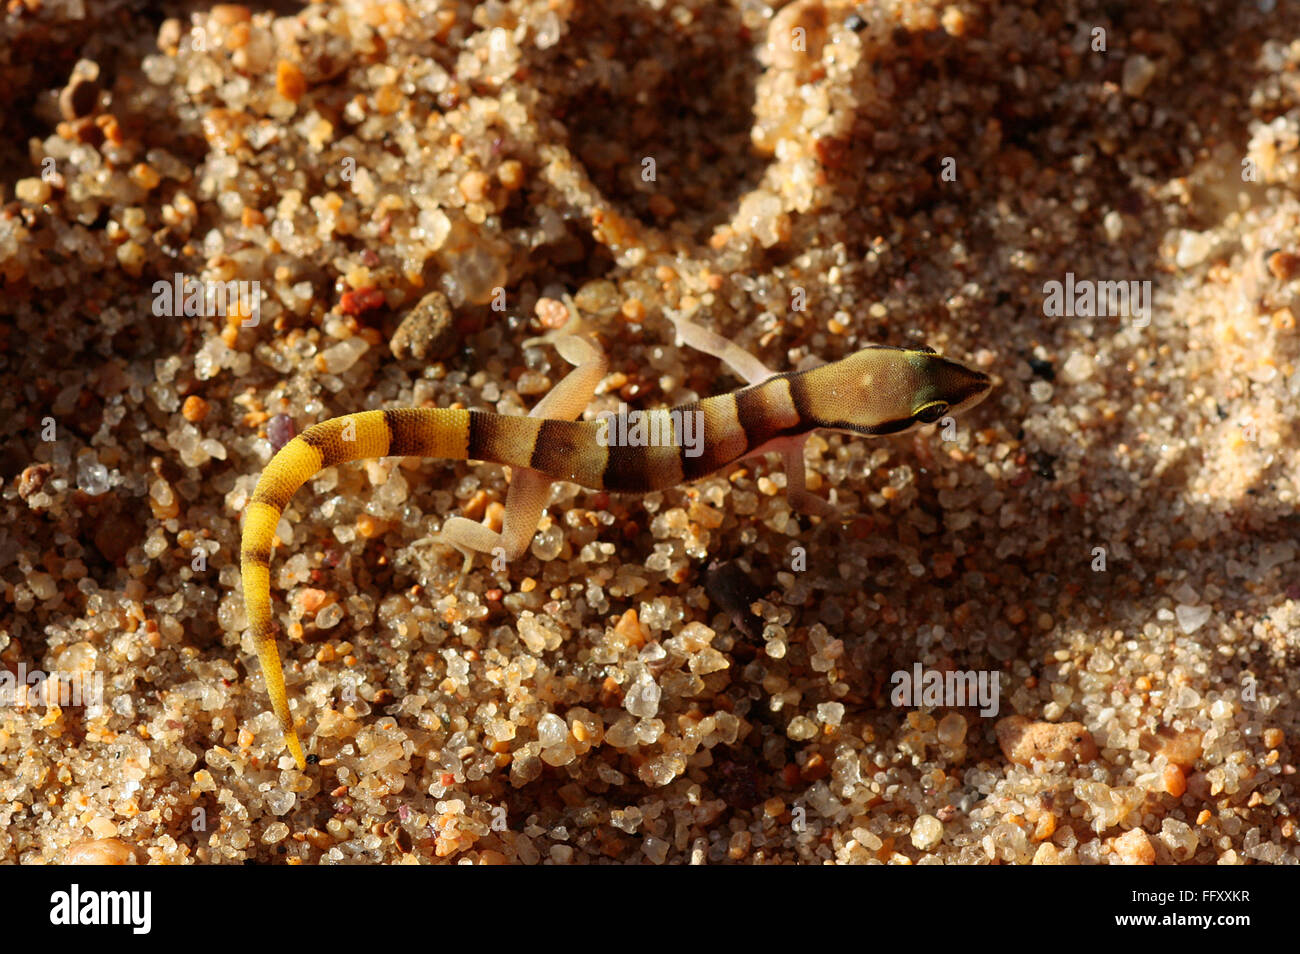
(875, 391)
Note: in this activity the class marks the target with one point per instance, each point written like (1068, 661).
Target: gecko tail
(410, 432)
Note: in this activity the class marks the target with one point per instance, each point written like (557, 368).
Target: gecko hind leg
(731, 354)
(529, 489)
(525, 501)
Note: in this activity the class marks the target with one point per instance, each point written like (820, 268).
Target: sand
(700, 675)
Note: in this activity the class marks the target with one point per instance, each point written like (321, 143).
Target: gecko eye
(931, 412)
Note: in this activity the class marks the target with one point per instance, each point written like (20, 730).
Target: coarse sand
(405, 192)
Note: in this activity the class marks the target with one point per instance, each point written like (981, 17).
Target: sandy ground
(698, 676)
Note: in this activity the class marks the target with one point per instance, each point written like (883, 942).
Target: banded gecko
(876, 391)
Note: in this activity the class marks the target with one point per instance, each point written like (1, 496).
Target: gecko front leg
(796, 482)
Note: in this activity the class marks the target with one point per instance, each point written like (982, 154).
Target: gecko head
(884, 390)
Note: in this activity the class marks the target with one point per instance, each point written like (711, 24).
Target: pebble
(1134, 848)
(280, 430)
(195, 409)
(32, 479)
(92, 476)
(79, 99)
(289, 81)
(511, 174)
(228, 14)
(1181, 748)
(642, 699)
(927, 833)
(551, 313)
(797, 34)
(32, 191)
(341, 357)
(552, 731)
(427, 331)
(1138, 74)
(1192, 618)
(952, 729)
(101, 851)
(1023, 741)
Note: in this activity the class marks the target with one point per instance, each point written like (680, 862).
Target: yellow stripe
(442, 433)
(260, 521)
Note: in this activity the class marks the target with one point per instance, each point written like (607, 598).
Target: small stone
(1174, 780)
(1180, 838)
(1047, 854)
(79, 657)
(952, 729)
(427, 331)
(329, 617)
(656, 849)
(642, 698)
(79, 99)
(194, 409)
(473, 185)
(1191, 618)
(101, 851)
(228, 14)
(92, 477)
(342, 356)
(145, 176)
(280, 802)
(311, 599)
(927, 833)
(599, 297)
(631, 630)
(830, 713)
(32, 479)
(289, 81)
(551, 313)
(1138, 74)
(1023, 741)
(547, 30)
(801, 728)
(1134, 848)
(552, 731)
(797, 34)
(1193, 248)
(1283, 265)
(42, 585)
(1180, 748)
(280, 430)
(358, 301)
(32, 191)
(435, 226)
(1113, 223)
(511, 174)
